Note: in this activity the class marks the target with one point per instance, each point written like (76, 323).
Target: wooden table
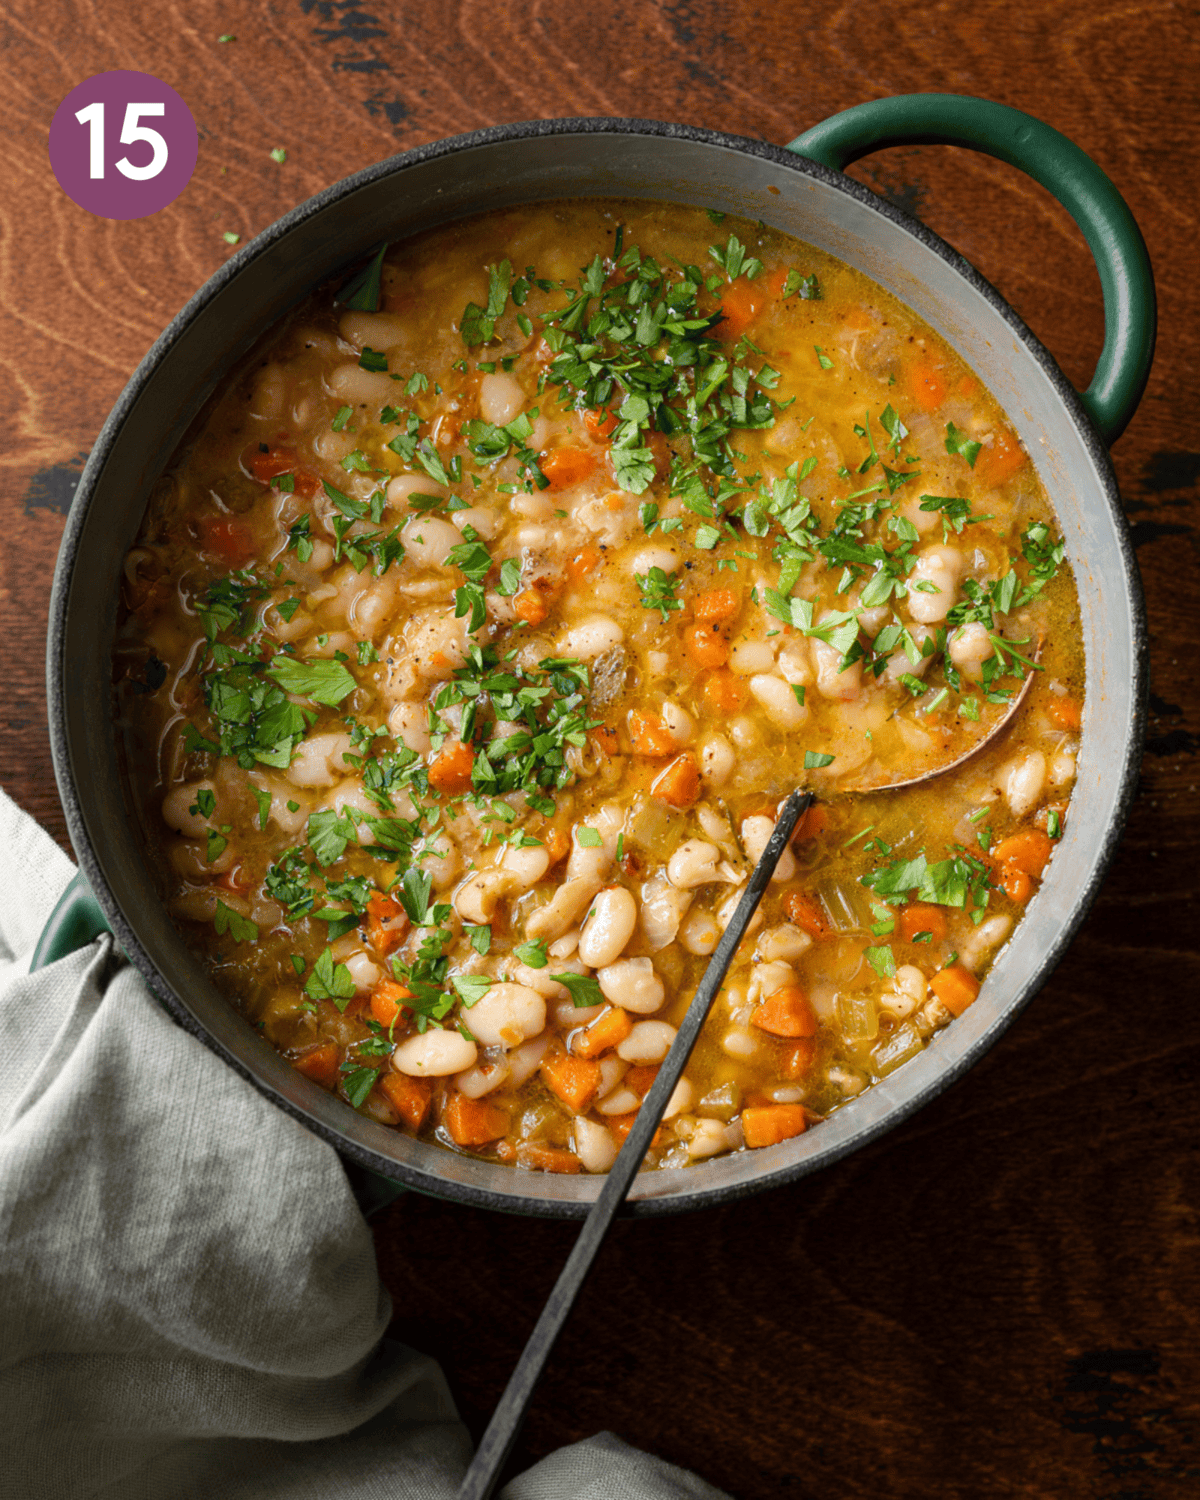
(1000, 1298)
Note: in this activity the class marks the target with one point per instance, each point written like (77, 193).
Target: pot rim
(415, 1178)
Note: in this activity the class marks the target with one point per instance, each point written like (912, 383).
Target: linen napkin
(189, 1302)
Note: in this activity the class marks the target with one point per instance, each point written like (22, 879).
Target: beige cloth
(189, 1303)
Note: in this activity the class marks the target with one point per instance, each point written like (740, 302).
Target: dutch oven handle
(1075, 180)
(74, 922)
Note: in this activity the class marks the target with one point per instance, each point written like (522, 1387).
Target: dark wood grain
(1001, 1298)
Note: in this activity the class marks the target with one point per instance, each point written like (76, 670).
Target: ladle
(497, 1442)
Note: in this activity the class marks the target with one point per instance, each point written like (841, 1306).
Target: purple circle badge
(123, 145)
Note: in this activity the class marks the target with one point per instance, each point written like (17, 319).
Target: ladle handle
(497, 1441)
(1083, 189)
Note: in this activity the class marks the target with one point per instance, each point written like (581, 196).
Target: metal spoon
(506, 1420)
(502, 1430)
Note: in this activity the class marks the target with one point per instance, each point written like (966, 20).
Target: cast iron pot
(799, 189)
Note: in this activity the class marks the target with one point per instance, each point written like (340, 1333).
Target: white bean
(988, 935)
(683, 1096)
(970, 647)
(428, 540)
(766, 978)
(750, 657)
(622, 1101)
(942, 567)
(833, 681)
(784, 942)
(364, 973)
(434, 1054)
(717, 759)
(506, 1016)
(612, 1070)
(569, 903)
(484, 1078)
(666, 558)
(524, 1061)
(711, 1138)
(409, 723)
(795, 664)
(608, 927)
(591, 638)
(740, 1042)
(648, 1042)
(782, 706)
(699, 932)
(486, 522)
(354, 384)
(679, 723)
(756, 833)
(633, 984)
(175, 809)
(693, 864)
(500, 398)
(318, 760)
(401, 489)
(594, 1145)
(664, 906)
(1022, 780)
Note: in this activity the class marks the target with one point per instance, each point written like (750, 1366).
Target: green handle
(1048, 157)
(76, 920)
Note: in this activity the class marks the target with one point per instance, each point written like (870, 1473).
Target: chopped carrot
(566, 466)
(806, 912)
(797, 1058)
(227, 538)
(600, 423)
(473, 1122)
(557, 842)
(621, 1125)
(925, 379)
(641, 1078)
(1015, 884)
(704, 647)
(921, 917)
(530, 606)
(967, 386)
(768, 1124)
(741, 302)
(715, 606)
(1067, 713)
(276, 461)
(539, 1157)
(786, 1012)
(861, 319)
(650, 735)
(574, 1080)
(955, 987)
(450, 770)
(1028, 850)
(409, 1097)
(582, 563)
(679, 784)
(387, 926)
(723, 692)
(812, 825)
(1000, 459)
(387, 1001)
(606, 1031)
(320, 1064)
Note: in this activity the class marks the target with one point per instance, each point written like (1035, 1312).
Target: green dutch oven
(799, 189)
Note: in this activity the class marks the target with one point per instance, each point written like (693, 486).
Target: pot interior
(515, 165)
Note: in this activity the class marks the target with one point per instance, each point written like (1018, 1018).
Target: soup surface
(478, 629)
